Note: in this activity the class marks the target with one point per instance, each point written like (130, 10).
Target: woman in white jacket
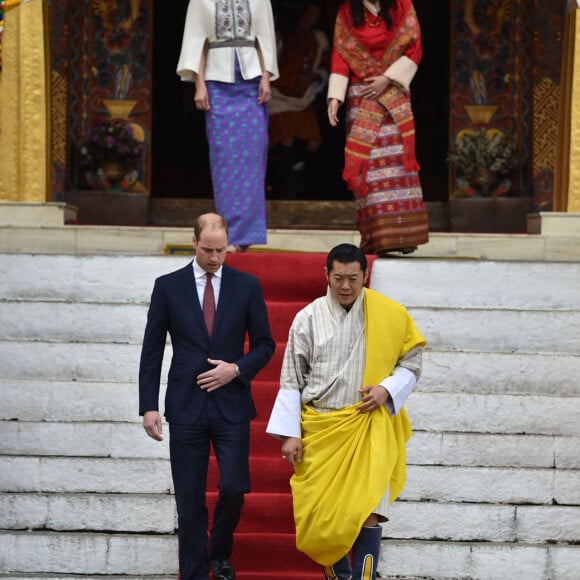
(229, 51)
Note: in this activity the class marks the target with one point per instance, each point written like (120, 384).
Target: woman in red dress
(375, 55)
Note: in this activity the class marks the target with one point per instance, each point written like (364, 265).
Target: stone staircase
(493, 486)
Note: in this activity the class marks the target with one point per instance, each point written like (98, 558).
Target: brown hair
(212, 221)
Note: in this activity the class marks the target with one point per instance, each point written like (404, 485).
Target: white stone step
(120, 554)
(116, 279)
(485, 330)
(128, 513)
(492, 485)
(85, 553)
(80, 475)
(70, 400)
(468, 522)
(500, 373)
(502, 450)
(72, 322)
(490, 561)
(128, 440)
(432, 483)
(495, 330)
(477, 284)
(137, 513)
(466, 412)
(98, 439)
(523, 373)
(62, 361)
(414, 282)
(434, 411)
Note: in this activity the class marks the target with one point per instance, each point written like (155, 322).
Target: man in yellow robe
(352, 359)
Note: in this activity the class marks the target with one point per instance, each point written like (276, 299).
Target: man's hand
(292, 450)
(152, 424)
(223, 374)
(374, 396)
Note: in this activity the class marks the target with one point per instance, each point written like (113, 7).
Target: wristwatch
(238, 371)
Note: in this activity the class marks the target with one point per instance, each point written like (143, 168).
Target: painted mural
(111, 86)
(504, 97)
(490, 98)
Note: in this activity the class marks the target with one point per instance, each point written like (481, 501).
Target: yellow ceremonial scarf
(350, 458)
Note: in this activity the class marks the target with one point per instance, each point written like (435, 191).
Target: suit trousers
(189, 447)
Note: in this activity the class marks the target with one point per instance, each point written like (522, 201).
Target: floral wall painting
(112, 155)
(489, 97)
(120, 46)
(483, 159)
(118, 91)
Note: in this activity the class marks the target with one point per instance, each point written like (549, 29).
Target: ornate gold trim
(24, 136)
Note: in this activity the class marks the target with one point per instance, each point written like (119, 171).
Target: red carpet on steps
(265, 544)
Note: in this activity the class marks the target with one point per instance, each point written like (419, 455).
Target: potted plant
(483, 159)
(112, 155)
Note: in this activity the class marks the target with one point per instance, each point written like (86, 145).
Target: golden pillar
(24, 104)
(567, 178)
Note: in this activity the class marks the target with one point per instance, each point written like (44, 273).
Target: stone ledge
(554, 224)
(151, 241)
(36, 214)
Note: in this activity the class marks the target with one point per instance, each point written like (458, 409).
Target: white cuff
(337, 85)
(285, 417)
(400, 385)
(402, 72)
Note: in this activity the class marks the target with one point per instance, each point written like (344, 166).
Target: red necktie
(208, 304)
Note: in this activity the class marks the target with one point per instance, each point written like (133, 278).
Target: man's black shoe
(222, 570)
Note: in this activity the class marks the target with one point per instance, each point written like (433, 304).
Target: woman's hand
(375, 86)
(201, 98)
(333, 106)
(264, 89)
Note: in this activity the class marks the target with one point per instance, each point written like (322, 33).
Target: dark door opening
(180, 163)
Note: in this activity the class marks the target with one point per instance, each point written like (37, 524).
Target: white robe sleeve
(403, 379)
(286, 413)
(285, 418)
(194, 36)
(400, 385)
(337, 87)
(266, 37)
(402, 72)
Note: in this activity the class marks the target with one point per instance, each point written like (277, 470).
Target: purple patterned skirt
(237, 133)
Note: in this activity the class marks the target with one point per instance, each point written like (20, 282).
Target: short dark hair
(346, 254)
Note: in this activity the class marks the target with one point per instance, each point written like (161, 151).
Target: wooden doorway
(180, 166)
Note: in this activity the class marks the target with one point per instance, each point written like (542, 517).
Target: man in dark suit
(207, 308)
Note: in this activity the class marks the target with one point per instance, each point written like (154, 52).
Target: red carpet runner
(265, 544)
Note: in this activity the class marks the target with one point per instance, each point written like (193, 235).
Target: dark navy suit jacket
(175, 309)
